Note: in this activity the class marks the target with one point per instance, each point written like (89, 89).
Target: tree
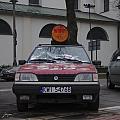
(71, 22)
(115, 5)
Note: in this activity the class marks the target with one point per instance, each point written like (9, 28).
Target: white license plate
(87, 97)
(55, 89)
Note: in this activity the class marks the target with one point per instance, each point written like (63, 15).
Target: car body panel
(57, 68)
(77, 90)
(114, 68)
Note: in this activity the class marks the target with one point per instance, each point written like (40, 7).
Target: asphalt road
(109, 104)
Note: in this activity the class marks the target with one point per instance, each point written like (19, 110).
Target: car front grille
(56, 78)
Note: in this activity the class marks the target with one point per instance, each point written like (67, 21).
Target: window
(115, 55)
(34, 2)
(106, 5)
(76, 4)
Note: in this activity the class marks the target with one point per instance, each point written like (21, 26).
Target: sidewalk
(108, 117)
(109, 113)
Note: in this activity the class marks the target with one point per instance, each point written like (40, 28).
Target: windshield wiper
(68, 59)
(41, 60)
(71, 60)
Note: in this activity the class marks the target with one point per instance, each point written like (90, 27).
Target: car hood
(57, 68)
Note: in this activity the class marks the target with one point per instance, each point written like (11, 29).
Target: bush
(5, 66)
(102, 69)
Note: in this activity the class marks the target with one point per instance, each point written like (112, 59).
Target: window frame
(33, 2)
(76, 5)
(106, 5)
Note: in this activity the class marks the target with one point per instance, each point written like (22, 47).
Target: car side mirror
(118, 58)
(22, 62)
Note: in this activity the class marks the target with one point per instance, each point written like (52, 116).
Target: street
(109, 105)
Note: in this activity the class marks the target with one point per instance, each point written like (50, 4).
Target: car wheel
(110, 85)
(22, 106)
(94, 105)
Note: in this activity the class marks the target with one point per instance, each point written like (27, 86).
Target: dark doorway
(97, 33)
(46, 31)
(5, 28)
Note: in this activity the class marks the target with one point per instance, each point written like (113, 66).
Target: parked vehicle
(8, 74)
(57, 74)
(0, 68)
(113, 73)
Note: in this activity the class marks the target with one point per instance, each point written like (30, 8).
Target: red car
(57, 74)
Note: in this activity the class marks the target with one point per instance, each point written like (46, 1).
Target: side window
(34, 2)
(115, 55)
(76, 4)
(106, 5)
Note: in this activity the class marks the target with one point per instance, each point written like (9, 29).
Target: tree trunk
(71, 22)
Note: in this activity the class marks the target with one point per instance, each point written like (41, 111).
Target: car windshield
(59, 53)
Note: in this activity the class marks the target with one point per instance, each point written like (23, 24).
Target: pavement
(113, 117)
(108, 113)
(107, 116)
(104, 114)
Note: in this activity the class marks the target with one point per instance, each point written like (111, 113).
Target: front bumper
(78, 91)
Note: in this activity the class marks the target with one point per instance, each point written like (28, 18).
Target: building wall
(6, 42)
(35, 25)
(19, 1)
(99, 6)
(60, 4)
(106, 47)
(82, 7)
(28, 30)
(45, 3)
(114, 12)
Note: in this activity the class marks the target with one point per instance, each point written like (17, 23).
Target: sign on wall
(94, 45)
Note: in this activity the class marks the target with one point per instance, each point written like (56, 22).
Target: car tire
(22, 106)
(94, 105)
(110, 85)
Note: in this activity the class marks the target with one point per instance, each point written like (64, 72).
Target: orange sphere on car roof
(60, 33)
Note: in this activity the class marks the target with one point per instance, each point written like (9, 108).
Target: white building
(32, 16)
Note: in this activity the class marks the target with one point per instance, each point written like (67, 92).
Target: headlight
(86, 77)
(25, 77)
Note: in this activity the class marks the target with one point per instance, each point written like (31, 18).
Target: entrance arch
(6, 44)
(46, 31)
(97, 33)
(5, 28)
